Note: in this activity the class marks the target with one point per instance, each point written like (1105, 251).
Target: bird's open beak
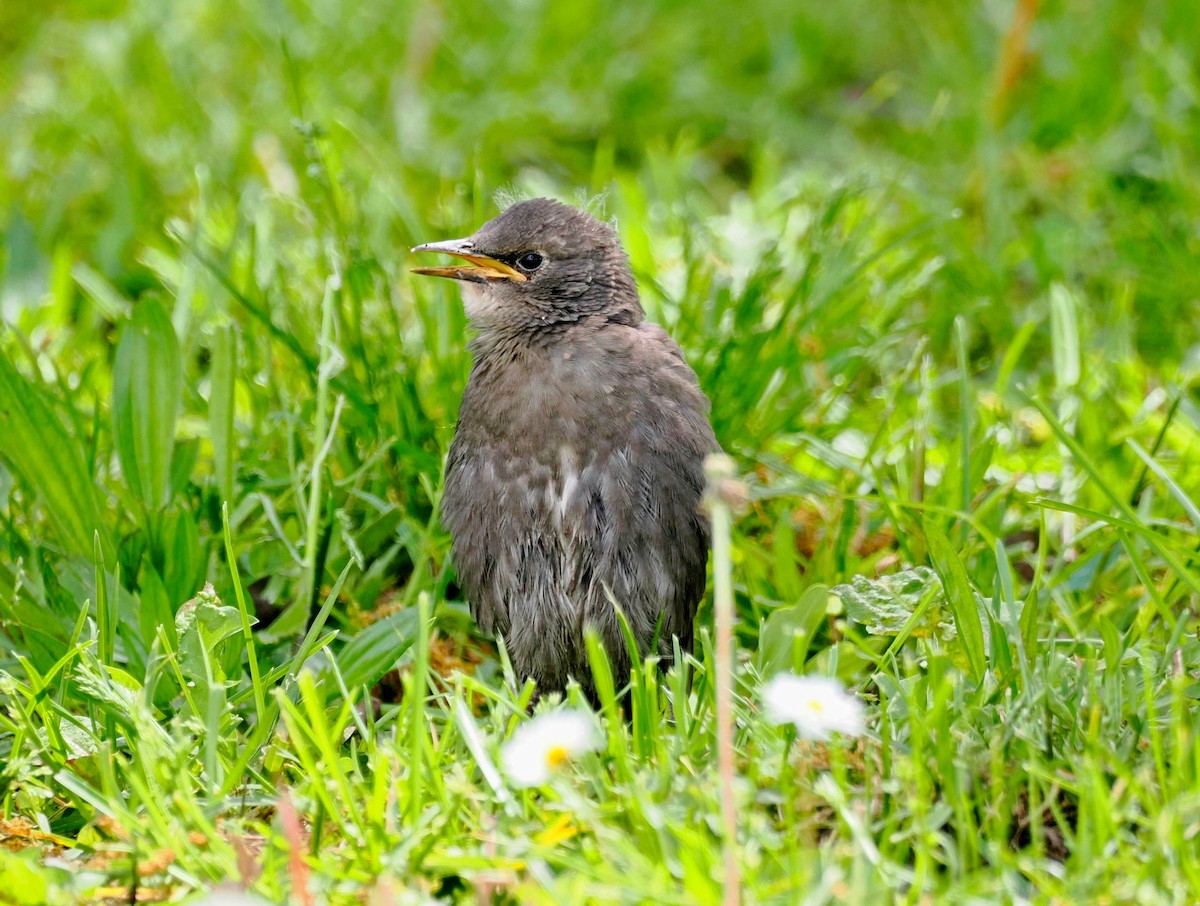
(479, 268)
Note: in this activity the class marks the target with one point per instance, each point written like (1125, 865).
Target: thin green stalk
(260, 704)
(319, 441)
(416, 691)
(964, 415)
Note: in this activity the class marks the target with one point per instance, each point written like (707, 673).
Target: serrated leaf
(203, 624)
(909, 603)
(884, 605)
(115, 690)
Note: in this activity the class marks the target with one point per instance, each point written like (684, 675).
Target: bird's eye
(530, 261)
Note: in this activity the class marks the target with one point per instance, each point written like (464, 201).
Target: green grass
(944, 298)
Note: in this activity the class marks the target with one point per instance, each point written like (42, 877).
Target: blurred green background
(117, 117)
(935, 263)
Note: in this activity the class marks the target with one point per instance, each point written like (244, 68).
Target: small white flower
(817, 705)
(545, 743)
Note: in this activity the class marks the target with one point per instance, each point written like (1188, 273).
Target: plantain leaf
(788, 632)
(374, 650)
(146, 393)
(786, 570)
(154, 607)
(38, 448)
(182, 564)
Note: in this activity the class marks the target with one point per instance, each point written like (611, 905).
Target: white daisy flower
(545, 743)
(817, 705)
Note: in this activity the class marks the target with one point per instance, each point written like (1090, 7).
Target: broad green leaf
(376, 648)
(960, 596)
(181, 556)
(38, 448)
(848, 661)
(154, 608)
(783, 550)
(183, 462)
(787, 634)
(147, 386)
(80, 736)
(23, 880)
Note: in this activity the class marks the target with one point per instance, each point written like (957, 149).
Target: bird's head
(538, 266)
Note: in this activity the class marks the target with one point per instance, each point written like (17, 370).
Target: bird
(574, 479)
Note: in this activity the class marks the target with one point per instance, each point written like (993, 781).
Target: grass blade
(960, 596)
(220, 409)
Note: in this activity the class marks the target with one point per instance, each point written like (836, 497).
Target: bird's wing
(471, 502)
(660, 535)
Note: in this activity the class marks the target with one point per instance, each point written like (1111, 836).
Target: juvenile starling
(576, 470)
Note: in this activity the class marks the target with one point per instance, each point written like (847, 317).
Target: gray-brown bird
(574, 479)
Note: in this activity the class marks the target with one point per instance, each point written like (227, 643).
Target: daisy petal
(547, 742)
(816, 705)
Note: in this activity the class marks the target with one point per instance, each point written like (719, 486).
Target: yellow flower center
(816, 705)
(557, 756)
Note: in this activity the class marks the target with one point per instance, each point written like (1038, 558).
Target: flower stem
(721, 488)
